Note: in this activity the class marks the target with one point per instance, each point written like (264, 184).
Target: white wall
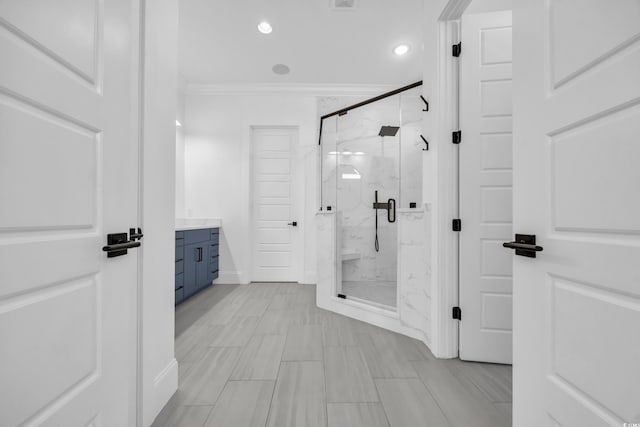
(484, 6)
(159, 370)
(180, 132)
(217, 175)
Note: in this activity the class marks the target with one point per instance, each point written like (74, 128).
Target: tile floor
(264, 355)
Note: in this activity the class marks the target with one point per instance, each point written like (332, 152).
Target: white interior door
(485, 188)
(68, 176)
(576, 187)
(275, 237)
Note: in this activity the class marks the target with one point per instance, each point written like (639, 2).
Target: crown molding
(295, 89)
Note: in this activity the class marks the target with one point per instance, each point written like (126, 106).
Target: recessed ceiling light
(178, 124)
(264, 27)
(281, 69)
(401, 49)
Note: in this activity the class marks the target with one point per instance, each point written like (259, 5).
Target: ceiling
(220, 43)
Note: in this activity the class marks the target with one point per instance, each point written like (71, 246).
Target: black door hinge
(456, 49)
(456, 313)
(456, 137)
(343, 296)
(456, 224)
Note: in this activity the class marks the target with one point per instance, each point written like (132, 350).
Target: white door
(485, 188)
(577, 188)
(274, 214)
(68, 176)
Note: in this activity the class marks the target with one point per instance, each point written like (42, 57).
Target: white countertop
(197, 223)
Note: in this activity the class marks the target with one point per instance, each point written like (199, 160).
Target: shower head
(388, 130)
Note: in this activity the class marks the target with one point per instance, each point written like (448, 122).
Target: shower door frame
(339, 113)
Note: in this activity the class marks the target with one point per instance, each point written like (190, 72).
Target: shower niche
(371, 170)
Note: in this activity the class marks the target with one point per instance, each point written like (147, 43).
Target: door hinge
(456, 137)
(343, 296)
(456, 49)
(456, 224)
(456, 313)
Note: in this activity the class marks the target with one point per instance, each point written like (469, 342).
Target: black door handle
(293, 224)
(524, 245)
(120, 246)
(391, 207)
(199, 254)
(118, 243)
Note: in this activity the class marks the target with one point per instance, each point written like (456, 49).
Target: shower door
(366, 160)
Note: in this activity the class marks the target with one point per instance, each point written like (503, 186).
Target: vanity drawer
(179, 296)
(213, 265)
(179, 238)
(195, 236)
(179, 280)
(215, 234)
(179, 267)
(214, 249)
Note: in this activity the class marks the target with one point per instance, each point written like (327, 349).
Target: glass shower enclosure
(371, 167)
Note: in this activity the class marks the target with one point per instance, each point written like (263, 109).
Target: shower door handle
(391, 207)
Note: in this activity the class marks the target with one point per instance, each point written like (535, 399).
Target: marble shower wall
(356, 162)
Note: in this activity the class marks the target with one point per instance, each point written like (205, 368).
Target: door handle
(391, 207)
(199, 254)
(118, 243)
(293, 224)
(524, 245)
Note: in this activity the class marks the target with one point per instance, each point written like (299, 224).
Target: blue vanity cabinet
(200, 260)
(179, 258)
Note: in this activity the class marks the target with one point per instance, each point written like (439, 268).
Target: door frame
(444, 77)
(298, 200)
(445, 15)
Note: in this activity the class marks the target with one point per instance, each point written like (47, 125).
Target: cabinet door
(202, 265)
(191, 256)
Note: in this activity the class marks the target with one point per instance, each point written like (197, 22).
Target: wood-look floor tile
(463, 404)
(407, 403)
(274, 322)
(347, 376)
(356, 415)
(187, 416)
(242, 404)
(494, 380)
(260, 358)
(304, 342)
(236, 333)
(386, 361)
(253, 307)
(206, 379)
(340, 330)
(299, 396)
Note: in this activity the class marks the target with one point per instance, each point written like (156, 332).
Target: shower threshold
(380, 293)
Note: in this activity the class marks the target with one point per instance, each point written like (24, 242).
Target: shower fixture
(390, 207)
(388, 130)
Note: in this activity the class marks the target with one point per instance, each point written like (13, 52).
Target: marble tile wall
(414, 269)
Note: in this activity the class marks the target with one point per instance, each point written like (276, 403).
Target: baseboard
(310, 277)
(165, 385)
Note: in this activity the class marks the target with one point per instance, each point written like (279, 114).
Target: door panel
(274, 241)
(485, 187)
(577, 305)
(68, 177)
(190, 269)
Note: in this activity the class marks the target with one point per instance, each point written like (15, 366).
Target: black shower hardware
(425, 143)
(388, 130)
(426, 103)
(390, 207)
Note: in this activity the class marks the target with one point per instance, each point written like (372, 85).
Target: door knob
(293, 224)
(524, 245)
(118, 243)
